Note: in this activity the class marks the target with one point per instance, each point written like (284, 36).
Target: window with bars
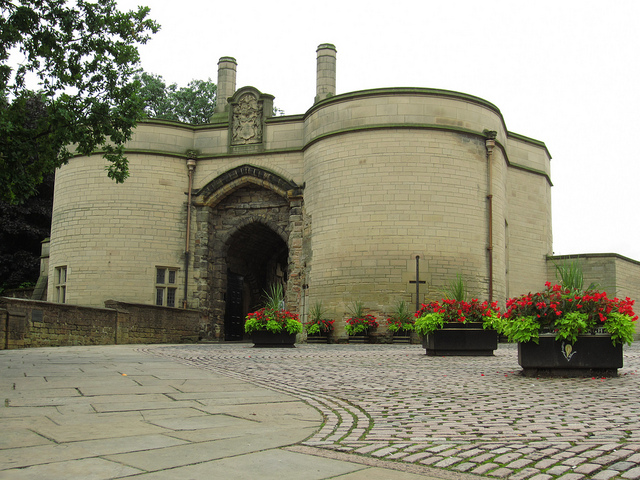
(166, 286)
(60, 284)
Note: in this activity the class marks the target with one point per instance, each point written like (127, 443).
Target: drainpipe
(191, 165)
(490, 143)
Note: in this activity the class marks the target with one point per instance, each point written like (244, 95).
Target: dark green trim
(402, 126)
(185, 155)
(529, 140)
(184, 126)
(444, 128)
(285, 119)
(535, 171)
(393, 126)
(404, 91)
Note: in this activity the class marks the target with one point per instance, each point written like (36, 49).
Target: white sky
(565, 72)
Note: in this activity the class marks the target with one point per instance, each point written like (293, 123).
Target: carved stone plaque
(247, 120)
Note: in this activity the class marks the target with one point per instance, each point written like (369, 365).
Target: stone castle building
(351, 200)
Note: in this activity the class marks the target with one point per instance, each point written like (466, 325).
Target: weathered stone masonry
(335, 204)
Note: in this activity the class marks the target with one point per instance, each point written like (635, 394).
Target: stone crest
(246, 120)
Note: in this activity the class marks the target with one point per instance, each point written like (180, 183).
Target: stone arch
(226, 183)
(249, 220)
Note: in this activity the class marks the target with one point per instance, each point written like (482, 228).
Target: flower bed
(568, 313)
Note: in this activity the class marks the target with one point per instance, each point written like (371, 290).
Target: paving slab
(316, 412)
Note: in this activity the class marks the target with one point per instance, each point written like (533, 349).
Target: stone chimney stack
(226, 82)
(326, 75)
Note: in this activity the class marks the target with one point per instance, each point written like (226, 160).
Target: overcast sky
(565, 72)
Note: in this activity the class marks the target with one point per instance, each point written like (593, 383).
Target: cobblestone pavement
(464, 414)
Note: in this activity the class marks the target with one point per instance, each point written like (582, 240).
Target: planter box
(590, 356)
(319, 337)
(405, 336)
(273, 340)
(464, 339)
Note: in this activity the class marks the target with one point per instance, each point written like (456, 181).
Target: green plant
(456, 290)
(570, 276)
(434, 315)
(359, 322)
(567, 313)
(317, 323)
(273, 317)
(356, 309)
(274, 298)
(401, 318)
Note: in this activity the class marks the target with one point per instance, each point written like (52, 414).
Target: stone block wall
(30, 323)
(110, 236)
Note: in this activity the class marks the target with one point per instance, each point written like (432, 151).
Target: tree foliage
(83, 57)
(193, 104)
(22, 229)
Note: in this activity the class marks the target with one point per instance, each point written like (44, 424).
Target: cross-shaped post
(417, 281)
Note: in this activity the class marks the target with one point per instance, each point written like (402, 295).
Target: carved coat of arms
(247, 121)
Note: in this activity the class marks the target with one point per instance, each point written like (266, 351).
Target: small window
(60, 284)
(166, 280)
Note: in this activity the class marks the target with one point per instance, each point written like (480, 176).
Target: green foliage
(429, 323)
(521, 329)
(84, 56)
(273, 317)
(493, 321)
(620, 327)
(274, 297)
(571, 277)
(274, 321)
(570, 325)
(434, 315)
(193, 104)
(317, 311)
(22, 229)
(401, 318)
(567, 314)
(317, 321)
(356, 309)
(456, 290)
(360, 322)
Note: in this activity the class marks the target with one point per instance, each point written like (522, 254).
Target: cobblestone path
(463, 414)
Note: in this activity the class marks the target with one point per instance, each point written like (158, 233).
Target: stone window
(60, 282)
(166, 286)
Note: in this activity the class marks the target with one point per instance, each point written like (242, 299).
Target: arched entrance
(257, 257)
(249, 234)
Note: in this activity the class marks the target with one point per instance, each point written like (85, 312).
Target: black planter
(273, 340)
(362, 337)
(590, 356)
(463, 339)
(402, 336)
(322, 337)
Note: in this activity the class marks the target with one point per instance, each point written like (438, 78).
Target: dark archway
(257, 257)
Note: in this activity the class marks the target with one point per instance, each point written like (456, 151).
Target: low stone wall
(31, 323)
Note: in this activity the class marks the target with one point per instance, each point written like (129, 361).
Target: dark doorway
(257, 257)
(234, 315)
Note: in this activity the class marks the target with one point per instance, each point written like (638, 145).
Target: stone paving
(473, 415)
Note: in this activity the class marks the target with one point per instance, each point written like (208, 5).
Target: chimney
(226, 82)
(326, 75)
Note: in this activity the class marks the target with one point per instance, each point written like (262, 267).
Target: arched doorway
(249, 234)
(256, 258)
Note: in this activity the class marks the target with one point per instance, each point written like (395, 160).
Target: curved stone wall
(112, 236)
(377, 178)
